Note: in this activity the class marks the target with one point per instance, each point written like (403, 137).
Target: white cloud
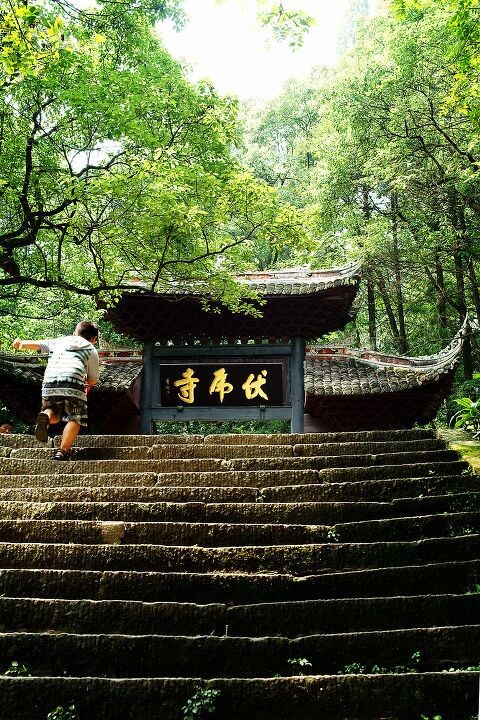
(224, 43)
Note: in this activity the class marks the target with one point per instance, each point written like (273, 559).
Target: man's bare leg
(70, 432)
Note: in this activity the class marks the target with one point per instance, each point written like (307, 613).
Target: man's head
(6, 427)
(87, 330)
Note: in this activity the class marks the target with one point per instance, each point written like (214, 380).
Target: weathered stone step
(359, 697)
(160, 452)
(226, 534)
(19, 441)
(397, 462)
(28, 441)
(85, 493)
(289, 619)
(379, 490)
(178, 480)
(159, 533)
(317, 438)
(368, 448)
(240, 587)
(292, 559)
(13, 466)
(253, 512)
(346, 462)
(276, 485)
(210, 450)
(389, 472)
(170, 656)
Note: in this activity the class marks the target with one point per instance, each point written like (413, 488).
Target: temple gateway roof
(301, 302)
(349, 389)
(347, 371)
(345, 389)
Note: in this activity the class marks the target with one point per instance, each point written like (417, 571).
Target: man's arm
(26, 345)
(93, 369)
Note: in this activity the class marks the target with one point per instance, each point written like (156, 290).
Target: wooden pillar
(297, 384)
(147, 389)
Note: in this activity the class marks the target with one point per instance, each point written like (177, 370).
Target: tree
(395, 179)
(113, 166)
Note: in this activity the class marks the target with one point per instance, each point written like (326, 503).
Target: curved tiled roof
(299, 301)
(346, 371)
(288, 281)
(299, 281)
(115, 375)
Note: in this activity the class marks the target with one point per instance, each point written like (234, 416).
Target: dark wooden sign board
(223, 383)
(227, 384)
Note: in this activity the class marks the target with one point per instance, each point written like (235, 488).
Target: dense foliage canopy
(381, 155)
(113, 166)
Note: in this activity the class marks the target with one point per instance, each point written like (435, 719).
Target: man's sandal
(62, 454)
(41, 428)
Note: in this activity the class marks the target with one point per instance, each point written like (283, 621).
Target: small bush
(16, 669)
(201, 704)
(63, 713)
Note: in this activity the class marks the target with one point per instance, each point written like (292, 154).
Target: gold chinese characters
(252, 387)
(187, 386)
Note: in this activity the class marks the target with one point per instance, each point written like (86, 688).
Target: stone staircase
(149, 566)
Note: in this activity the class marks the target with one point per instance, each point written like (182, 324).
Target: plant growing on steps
(299, 664)
(470, 668)
(356, 668)
(332, 534)
(16, 669)
(201, 704)
(63, 713)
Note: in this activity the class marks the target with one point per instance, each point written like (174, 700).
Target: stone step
(19, 441)
(346, 463)
(179, 480)
(13, 466)
(269, 486)
(48, 654)
(203, 450)
(356, 697)
(161, 452)
(293, 618)
(86, 440)
(368, 448)
(276, 485)
(292, 559)
(387, 472)
(364, 490)
(158, 533)
(318, 438)
(458, 577)
(316, 513)
(84, 492)
(217, 534)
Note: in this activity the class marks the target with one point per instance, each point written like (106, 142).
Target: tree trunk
(382, 288)
(459, 227)
(372, 315)
(440, 292)
(402, 336)
(372, 310)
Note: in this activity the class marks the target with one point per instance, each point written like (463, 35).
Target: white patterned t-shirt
(72, 362)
